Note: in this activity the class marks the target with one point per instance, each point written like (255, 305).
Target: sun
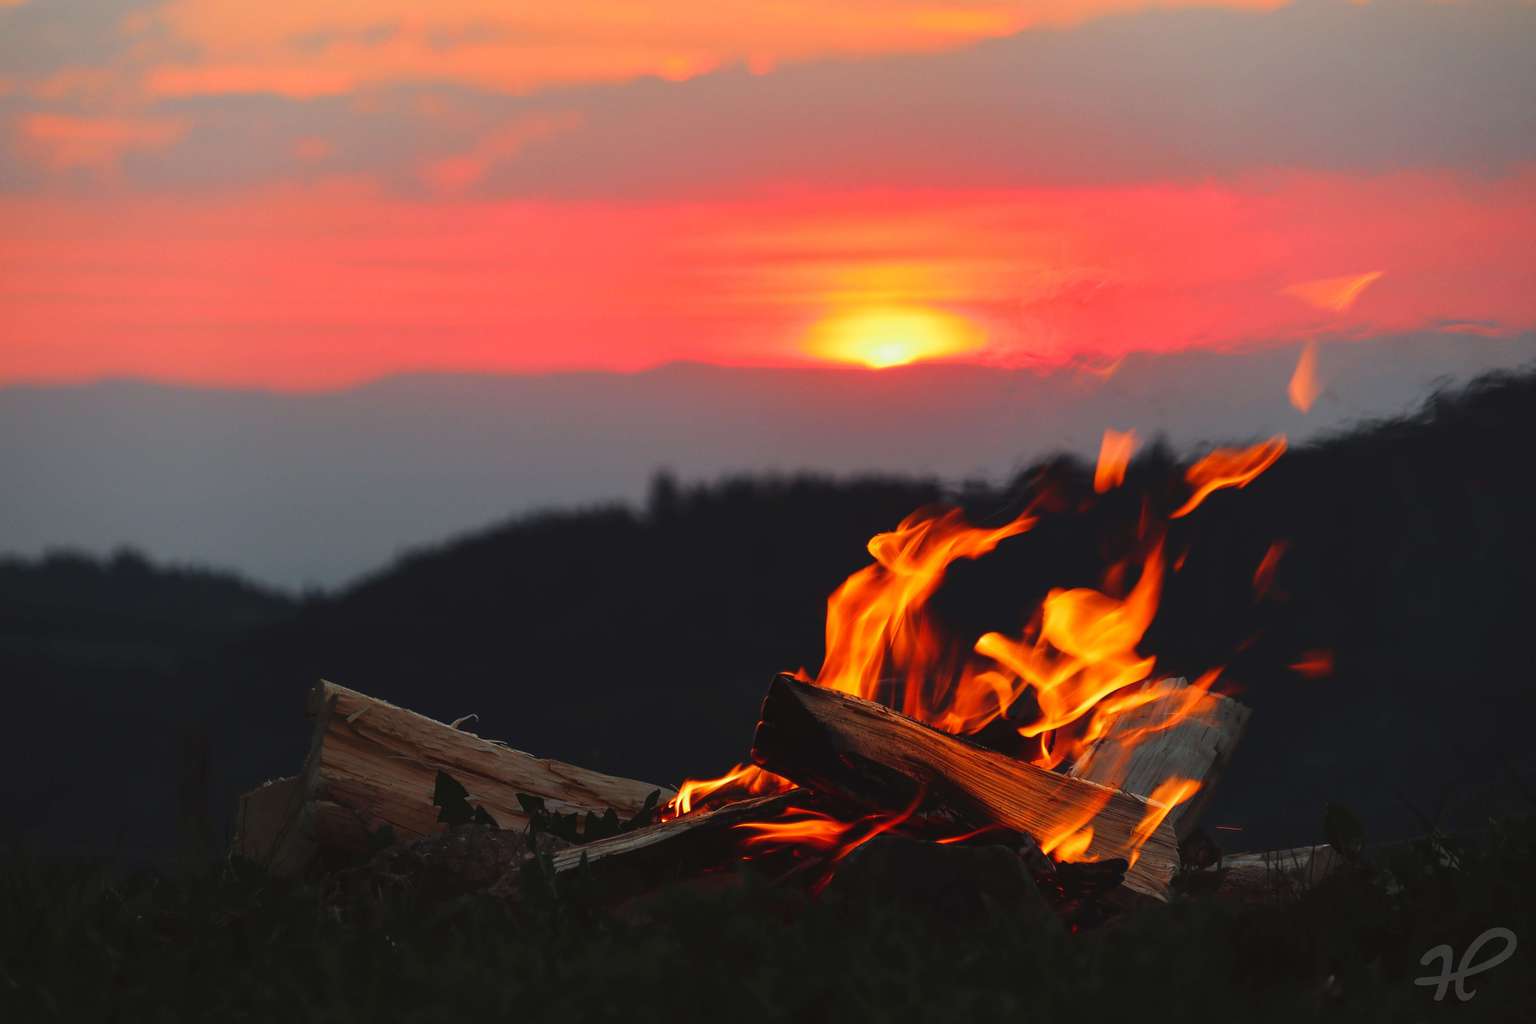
(892, 336)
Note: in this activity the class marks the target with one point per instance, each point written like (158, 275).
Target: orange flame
(1314, 665)
(813, 828)
(972, 834)
(1228, 467)
(1264, 575)
(881, 823)
(821, 831)
(1176, 704)
(1304, 387)
(743, 780)
(1072, 838)
(1165, 797)
(1085, 650)
(1074, 847)
(877, 616)
(1114, 454)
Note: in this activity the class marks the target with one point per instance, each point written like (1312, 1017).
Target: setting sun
(880, 338)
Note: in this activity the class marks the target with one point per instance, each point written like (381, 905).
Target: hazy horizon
(314, 489)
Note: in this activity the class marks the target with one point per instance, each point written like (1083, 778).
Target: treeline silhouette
(640, 641)
(92, 660)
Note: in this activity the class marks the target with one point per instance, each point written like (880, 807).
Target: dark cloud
(254, 139)
(49, 35)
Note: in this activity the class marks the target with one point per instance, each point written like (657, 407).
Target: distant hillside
(91, 655)
(129, 595)
(316, 489)
(641, 641)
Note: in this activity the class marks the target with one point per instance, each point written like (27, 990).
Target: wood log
(699, 840)
(866, 753)
(262, 815)
(1140, 750)
(1268, 877)
(372, 764)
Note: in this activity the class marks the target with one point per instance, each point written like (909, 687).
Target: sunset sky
(308, 195)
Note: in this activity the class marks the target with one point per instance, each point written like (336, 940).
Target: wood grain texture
(373, 764)
(1196, 748)
(864, 752)
(705, 837)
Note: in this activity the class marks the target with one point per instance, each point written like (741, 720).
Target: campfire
(1108, 765)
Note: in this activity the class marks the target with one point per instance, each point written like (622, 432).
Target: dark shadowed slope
(91, 654)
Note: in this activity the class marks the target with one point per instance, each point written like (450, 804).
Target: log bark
(866, 753)
(373, 764)
(1132, 758)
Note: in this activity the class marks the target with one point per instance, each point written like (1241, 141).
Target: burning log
(697, 841)
(1142, 749)
(866, 753)
(372, 764)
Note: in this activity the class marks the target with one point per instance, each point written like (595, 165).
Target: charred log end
(792, 742)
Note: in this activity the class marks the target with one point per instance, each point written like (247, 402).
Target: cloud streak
(1145, 95)
(306, 50)
(63, 143)
(305, 286)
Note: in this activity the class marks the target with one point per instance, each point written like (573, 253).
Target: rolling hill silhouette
(316, 489)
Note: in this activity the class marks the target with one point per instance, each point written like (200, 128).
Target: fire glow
(1078, 658)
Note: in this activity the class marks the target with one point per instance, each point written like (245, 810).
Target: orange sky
(308, 196)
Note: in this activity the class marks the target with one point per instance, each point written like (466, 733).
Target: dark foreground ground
(80, 942)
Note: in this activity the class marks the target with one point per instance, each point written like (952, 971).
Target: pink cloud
(62, 142)
(307, 50)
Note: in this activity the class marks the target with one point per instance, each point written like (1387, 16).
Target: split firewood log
(373, 765)
(871, 756)
(1141, 749)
